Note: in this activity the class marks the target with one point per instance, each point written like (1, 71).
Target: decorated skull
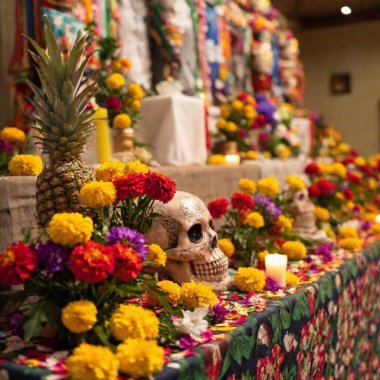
(184, 229)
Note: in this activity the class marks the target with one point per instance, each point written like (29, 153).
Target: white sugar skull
(185, 231)
(302, 210)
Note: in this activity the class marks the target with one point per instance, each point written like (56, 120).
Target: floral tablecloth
(326, 329)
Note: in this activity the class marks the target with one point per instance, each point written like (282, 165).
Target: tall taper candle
(275, 267)
(103, 142)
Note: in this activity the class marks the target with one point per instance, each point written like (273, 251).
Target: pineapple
(63, 123)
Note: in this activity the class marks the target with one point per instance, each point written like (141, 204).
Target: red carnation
(241, 201)
(114, 103)
(218, 207)
(159, 187)
(128, 263)
(312, 168)
(132, 185)
(92, 262)
(17, 264)
(242, 96)
(325, 186)
(349, 194)
(314, 191)
(353, 178)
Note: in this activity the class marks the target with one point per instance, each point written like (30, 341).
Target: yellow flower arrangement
(25, 165)
(109, 170)
(195, 295)
(135, 91)
(79, 316)
(97, 194)
(123, 64)
(13, 135)
(136, 105)
(156, 255)
(339, 170)
(375, 229)
(347, 232)
(359, 161)
(90, 362)
(326, 169)
(115, 81)
(261, 256)
(70, 229)
(227, 247)
(216, 159)
(172, 289)
(295, 250)
(140, 358)
(225, 110)
(221, 124)
(249, 112)
(269, 186)
(255, 220)
(321, 214)
(247, 186)
(133, 321)
(292, 279)
(351, 244)
(135, 167)
(284, 223)
(295, 183)
(237, 105)
(231, 127)
(252, 155)
(122, 121)
(250, 279)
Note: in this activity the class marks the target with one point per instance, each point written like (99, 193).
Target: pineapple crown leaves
(62, 118)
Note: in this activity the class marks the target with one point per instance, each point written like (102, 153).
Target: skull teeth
(215, 270)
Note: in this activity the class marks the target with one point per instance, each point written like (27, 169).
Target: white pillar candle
(232, 159)
(377, 218)
(275, 267)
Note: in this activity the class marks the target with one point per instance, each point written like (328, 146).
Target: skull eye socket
(301, 197)
(195, 233)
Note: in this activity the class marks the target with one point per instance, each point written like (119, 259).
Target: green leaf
(284, 318)
(276, 327)
(102, 336)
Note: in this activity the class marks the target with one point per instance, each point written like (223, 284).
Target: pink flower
(113, 103)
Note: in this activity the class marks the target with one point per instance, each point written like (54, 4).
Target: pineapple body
(58, 189)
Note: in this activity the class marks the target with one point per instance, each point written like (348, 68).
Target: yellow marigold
(261, 256)
(351, 244)
(343, 148)
(348, 232)
(227, 247)
(237, 105)
(283, 151)
(339, 195)
(295, 183)
(267, 154)
(255, 220)
(292, 279)
(359, 161)
(70, 229)
(269, 186)
(97, 194)
(284, 223)
(221, 124)
(369, 216)
(156, 255)
(135, 167)
(13, 135)
(252, 155)
(250, 279)
(372, 183)
(79, 316)
(122, 63)
(195, 295)
(375, 229)
(329, 230)
(90, 362)
(249, 112)
(115, 81)
(136, 105)
(225, 110)
(135, 91)
(140, 358)
(295, 250)
(321, 214)
(339, 170)
(231, 127)
(25, 165)
(247, 186)
(122, 121)
(109, 170)
(133, 321)
(216, 159)
(325, 168)
(172, 289)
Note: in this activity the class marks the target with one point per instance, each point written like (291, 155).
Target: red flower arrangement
(312, 169)
(325, 186)
(218, 207)
(92, 262)
(128, 263)
(353, 178)
(314, 191)
(159, 187)
(132, 185)
(348, 194)
(242, 202)
(17, 264)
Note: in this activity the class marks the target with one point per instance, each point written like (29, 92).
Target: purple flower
(114, 103)
(272, 210)
(53, 257)
(187, 342)
(5, 146)
(366, 226)
(219, 312)
(272, 285)
(325, 250)
(133, 239)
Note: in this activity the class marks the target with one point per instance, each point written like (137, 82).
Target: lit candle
(377, 218)
(103, 142)
(275, 266)
(232, 159)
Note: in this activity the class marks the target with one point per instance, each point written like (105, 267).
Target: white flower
(192, 322)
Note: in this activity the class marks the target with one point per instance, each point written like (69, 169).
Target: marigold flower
(135, 91)
(218, 207)
(156, 255)
(295, 183)
(216, 159)
(225, 110)
(250, 279)
(261, 255)
(283, 151)
(295, 250)
(339, 170)
(122, 63)
(221, 124)
(92, 262)
(159, 187)
(115, 81)
(351, 244)
(255, 220)
(25, 165)
(135, 167)
(17, 263)
(227, 247)
(90, 362)
(13, 135)
(79, 316)
(375, 229)
(321, 214)
(347, 232)
(140, 358)
(269, 186)
(249, 112)
(237, 105)
(97, 194)
(252, 155)
(132, 186)
(231, 127)
(70, 229)
(133, 321)
(121, 121)
(128, 263)
(195, 295)
(241, 201)
(109, 170)
(284, 223)
(172, 289)
(292, 279)
(136, 105)
(247, 186)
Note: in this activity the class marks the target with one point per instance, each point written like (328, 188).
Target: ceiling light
(345, 10)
